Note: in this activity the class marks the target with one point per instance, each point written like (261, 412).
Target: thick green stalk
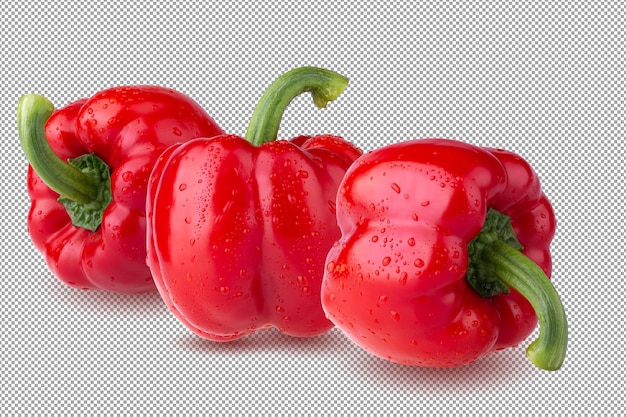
(83, 183)
(324, 85)
(519, 272)
(497, 263)
(32, 113)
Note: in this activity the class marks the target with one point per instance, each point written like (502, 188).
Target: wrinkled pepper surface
(89, 164)
(239, 228)
(444, 256)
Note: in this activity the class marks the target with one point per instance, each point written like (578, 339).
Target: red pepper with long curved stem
(444, 256)
(238, 229)
(89, 164)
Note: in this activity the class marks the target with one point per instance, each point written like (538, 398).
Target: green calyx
(497, 227)
(497, 263)
(324, 85)
(89, 215)
(83, 183)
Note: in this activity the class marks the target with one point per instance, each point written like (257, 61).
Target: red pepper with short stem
(444, 256)
(238, 229)
(89, 164)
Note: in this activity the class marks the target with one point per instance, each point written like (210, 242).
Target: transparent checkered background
(544, 79)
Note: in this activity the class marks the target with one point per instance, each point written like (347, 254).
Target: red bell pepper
(428, 270)
(88, 174)
(238, 229)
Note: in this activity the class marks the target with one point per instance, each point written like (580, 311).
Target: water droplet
(425, 203)
(192, 242)
(188, 276)
(382, 299)
(125, 189)
(415, 217)
(280, 309)
(332, 206)
(395, 187)
(330, 267)
(291, 199)
(182, 187)
(394, 315)
(374, 238)
(403, 278)
(224, 290)
(188, 220)
(386, 260)
(177, 131)
(418, 263)
(127, 176)
(302, 174)
(411, 241)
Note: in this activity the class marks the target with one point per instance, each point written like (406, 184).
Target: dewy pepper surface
(87, 178)
(239, 228)
(428, 270)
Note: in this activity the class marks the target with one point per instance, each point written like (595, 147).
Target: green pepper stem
(33, 111)
(324, 85)
(519, 272)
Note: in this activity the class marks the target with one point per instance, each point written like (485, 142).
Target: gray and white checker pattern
(544, 79)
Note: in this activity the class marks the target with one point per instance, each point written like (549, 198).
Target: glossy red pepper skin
(395, 282)
(127, 127)
(238, 234)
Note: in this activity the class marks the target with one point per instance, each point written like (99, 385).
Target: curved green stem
(33, 111)
(324, 85)
(519, 272)
(83, 183)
